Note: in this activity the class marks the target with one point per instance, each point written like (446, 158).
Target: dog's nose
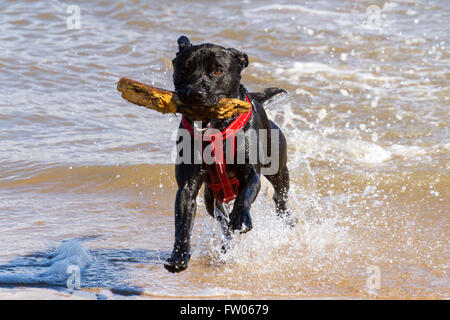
(197, 94)
(200, 94)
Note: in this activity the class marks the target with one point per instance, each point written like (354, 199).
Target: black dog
(203, 74)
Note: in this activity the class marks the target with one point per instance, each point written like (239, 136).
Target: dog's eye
(184, 72)
(218, 71)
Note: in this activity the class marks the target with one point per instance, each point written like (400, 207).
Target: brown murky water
(367, 121)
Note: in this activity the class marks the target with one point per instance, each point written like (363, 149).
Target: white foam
(293, 73)
(407, 152)
(274, 248)
(294, 7)
(366, 152)
(314, 145)
(70, 253)
(318, 141)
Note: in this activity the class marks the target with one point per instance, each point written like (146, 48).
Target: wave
(60, 178)
(69, 257)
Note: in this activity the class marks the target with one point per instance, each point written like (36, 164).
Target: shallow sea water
(367, 122)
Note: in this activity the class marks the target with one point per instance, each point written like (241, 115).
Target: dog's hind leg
(240, 218)
(216, 210)
(280, 180)
(280, 183)
(208, 195)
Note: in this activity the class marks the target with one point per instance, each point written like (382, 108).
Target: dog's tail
(265, 95)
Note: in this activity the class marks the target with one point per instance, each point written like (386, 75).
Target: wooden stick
(166, 101)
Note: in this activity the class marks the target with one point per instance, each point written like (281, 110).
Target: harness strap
(224, 188)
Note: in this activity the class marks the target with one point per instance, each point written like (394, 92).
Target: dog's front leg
(185, 207)
(240, 218)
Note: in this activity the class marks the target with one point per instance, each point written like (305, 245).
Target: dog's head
(204, 74)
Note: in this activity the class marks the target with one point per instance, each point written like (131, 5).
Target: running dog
(203, 74)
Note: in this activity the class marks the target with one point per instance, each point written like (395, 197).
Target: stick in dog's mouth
(166, 101)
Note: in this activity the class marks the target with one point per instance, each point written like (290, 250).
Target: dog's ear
(183, 42)
(241, 57)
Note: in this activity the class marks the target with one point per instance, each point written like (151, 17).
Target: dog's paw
(241, 221)
(176, 265)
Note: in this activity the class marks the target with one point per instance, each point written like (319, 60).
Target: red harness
(224, 188)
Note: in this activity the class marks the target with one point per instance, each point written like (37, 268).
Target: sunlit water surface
(367, 123)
